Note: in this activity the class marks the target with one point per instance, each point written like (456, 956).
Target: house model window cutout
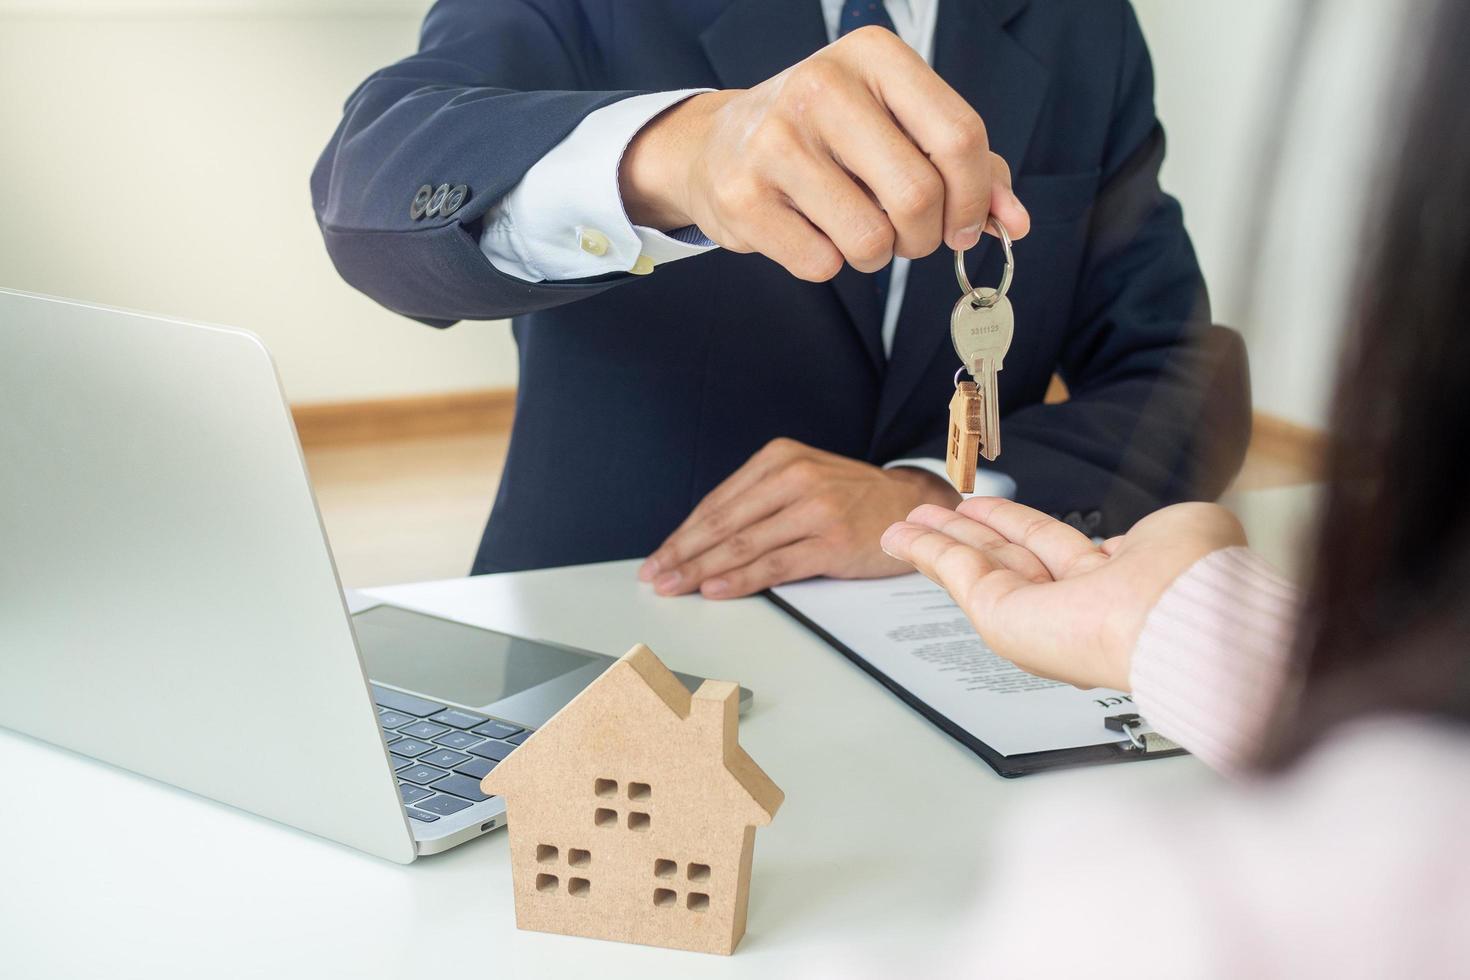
(632, 812)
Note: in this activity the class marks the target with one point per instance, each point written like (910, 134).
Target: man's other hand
(858, 153)
(791, 512)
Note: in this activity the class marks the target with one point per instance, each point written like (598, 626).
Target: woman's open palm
(1042, 594)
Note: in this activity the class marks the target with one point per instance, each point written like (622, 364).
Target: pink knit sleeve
(1212, 657)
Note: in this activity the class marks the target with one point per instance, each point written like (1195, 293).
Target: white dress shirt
(565, 219)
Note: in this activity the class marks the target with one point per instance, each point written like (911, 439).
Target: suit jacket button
(420, 202)
(454, 201)
(437, 201)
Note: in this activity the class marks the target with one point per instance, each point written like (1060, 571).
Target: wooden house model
(632, 812)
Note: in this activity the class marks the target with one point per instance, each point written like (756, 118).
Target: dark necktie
(862, 13)
(855, 14)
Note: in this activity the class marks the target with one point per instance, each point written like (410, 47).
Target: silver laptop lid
(168, 602)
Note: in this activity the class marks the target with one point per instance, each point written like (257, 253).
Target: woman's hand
(1042, 594)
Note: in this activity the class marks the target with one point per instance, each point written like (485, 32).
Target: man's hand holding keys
(857, 154)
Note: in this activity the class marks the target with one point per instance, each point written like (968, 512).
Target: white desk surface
(882, 840)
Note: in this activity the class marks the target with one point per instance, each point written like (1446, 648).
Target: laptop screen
(453, 661)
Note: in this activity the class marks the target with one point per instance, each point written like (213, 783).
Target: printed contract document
(911, 632)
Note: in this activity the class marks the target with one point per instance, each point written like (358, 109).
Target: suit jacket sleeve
(492, 89)
(1159, 405)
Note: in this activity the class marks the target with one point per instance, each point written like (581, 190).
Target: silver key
(981, 328)
(982, 334)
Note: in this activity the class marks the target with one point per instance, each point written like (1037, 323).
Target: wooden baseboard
(1273, 439)
(1276, 437)
(454, 413)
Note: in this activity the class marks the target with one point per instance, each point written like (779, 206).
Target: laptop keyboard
(440, 753)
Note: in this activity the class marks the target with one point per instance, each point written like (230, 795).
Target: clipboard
(1133, 748)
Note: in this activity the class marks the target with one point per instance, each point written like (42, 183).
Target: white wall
(155, 154)
(1278, 248)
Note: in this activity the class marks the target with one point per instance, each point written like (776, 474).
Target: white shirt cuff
(988, 483)
(565, 219)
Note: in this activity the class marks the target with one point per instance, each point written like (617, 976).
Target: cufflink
(420, 202)
(592, 241)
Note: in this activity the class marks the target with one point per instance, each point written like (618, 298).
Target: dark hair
(1386, 621)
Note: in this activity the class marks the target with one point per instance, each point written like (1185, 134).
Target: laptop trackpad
(459, 663)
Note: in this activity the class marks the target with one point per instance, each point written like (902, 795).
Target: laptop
(169, 602)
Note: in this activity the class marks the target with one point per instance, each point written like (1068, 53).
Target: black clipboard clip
(1144, 742)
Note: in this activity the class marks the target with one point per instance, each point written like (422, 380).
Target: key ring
(976, 300)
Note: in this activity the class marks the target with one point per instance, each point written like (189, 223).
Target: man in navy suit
(724, 230)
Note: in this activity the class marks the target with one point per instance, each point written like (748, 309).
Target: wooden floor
(411, 507)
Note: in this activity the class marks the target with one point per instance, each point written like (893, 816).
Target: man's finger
(741, 548)
(764, 461)
(767, 459)
(794, 562)
(1004, 205)
(830, 199)
(986, 540)
(945, 127)
(761, 501)
(863, 137)
(1063, 549)
(784, 235)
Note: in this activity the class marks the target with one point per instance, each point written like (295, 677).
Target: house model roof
(628, 715)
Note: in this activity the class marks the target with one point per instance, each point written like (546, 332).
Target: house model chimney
(715, 708)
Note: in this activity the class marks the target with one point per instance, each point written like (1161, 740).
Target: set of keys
(981, 328)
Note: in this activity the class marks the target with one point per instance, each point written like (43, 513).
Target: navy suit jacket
(638, 394)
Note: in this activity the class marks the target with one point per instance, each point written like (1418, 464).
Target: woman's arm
(1209, 665)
